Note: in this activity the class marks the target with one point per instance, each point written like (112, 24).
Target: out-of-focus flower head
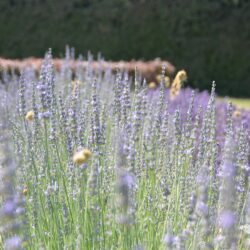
(180, 77)
(13, 243)
(237, 114)
(44, 115)
(227, 219)
(82, 156)
(30, 116)
(152, 85)
(25, 191)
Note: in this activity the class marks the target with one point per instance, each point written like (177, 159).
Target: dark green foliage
(209, 38)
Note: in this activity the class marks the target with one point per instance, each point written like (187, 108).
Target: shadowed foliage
(208, 38)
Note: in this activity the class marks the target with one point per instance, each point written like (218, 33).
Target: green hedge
(209, 38)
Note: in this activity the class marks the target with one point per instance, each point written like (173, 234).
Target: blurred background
(208, 38)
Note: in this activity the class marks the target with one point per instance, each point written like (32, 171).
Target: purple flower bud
(169, 239)
(228, 170)
(44, 115)
(127, 179)
(13, 243)
(202, 208)
(20, 210)
(9, 208)
(227, 219)
(41, 87)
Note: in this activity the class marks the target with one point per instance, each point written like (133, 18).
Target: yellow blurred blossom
(237, 114)
(158, 78)
(30, 116)
(25, 191)
(152, 85)
(166, 80)
(79, 158)
(82, 156)
(87, 153)
(180, 77)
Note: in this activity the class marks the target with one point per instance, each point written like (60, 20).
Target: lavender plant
(106, 162)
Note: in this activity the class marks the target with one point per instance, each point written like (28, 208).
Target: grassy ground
(239, 102)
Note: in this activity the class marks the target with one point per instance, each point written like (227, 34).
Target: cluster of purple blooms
(174, 171)
(11, 201)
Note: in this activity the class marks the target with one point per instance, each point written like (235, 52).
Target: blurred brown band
(149, 69)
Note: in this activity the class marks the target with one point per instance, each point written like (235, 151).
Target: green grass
(238, 102)
(241, 103)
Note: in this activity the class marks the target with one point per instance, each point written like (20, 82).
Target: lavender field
(96, 159)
